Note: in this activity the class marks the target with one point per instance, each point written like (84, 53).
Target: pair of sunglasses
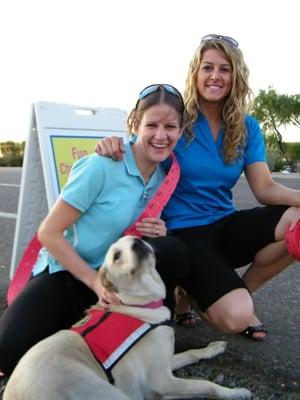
(154, 88)
(227, 39)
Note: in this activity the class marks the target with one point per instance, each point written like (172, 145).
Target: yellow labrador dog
(63, 366)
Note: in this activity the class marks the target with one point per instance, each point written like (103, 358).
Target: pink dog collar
(153, 304)
(292, 239)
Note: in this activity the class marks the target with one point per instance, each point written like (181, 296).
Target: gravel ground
(231, 371)
(234, 368)
(271, 370)
(258, 383)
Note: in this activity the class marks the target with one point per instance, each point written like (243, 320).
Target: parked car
(286, 170)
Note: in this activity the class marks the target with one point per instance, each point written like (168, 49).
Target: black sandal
(250, 332)
(185, 319)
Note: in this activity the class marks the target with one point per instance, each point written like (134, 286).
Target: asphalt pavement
(270, 369)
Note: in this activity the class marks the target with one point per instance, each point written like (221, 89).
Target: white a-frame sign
(59, 135)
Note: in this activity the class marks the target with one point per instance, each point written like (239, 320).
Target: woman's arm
(266, 190)
(51, 235)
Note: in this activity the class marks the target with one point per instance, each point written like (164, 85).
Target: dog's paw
(217, 347)
(239, 394)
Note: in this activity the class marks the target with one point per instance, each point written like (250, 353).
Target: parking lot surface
(270, 369)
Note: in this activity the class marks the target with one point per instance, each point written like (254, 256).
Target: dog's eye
(117, 255)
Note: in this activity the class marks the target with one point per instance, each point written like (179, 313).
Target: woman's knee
(232, 313)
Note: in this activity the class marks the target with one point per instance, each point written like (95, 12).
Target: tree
(275, 111)
(11, 154)
(10, 148)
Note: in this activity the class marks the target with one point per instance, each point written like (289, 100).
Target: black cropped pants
(217, 250)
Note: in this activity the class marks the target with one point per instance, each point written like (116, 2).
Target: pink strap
(153, 209)
(24, 269)
(160, 198)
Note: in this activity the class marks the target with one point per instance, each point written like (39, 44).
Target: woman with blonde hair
(220, 143)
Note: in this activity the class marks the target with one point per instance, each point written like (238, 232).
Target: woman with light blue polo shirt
(220, 143)
(100, 200)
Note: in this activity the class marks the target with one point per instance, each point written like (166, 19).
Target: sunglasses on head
(227, 39)
(154, 88)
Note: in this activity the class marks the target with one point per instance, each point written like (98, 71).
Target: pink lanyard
(153, 209)
(160, 198)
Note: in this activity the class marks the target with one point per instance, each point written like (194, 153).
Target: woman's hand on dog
(152, 227)
(105, 296)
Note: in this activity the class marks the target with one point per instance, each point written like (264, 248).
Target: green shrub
(15, 160)
(272, 156)
(11, 154)
(292, 154)
(293, 150)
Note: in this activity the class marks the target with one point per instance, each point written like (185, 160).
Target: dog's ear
(105, 281)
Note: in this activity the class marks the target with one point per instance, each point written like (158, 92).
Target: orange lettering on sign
(64, 168)
(77, 153)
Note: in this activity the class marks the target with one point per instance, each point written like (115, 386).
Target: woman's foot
(183, 315)
(186, 319)
(255, 331)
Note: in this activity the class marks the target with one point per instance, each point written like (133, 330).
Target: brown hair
(160, 96)
(236, 104)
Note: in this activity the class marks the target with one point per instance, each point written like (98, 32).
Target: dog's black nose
(141, 249)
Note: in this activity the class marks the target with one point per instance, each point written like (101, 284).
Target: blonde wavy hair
(236, 104)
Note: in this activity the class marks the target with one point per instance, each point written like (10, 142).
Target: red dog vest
(110, 335)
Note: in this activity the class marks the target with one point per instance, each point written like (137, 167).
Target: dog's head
(129, 269)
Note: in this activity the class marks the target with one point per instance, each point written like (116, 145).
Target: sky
(101, 53)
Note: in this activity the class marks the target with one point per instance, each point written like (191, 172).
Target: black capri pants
(51, 302)
(217, 249)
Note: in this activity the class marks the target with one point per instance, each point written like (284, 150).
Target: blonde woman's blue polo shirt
(204, 192)
(110, 195)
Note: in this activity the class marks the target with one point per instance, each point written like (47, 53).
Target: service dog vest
(110, 335)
